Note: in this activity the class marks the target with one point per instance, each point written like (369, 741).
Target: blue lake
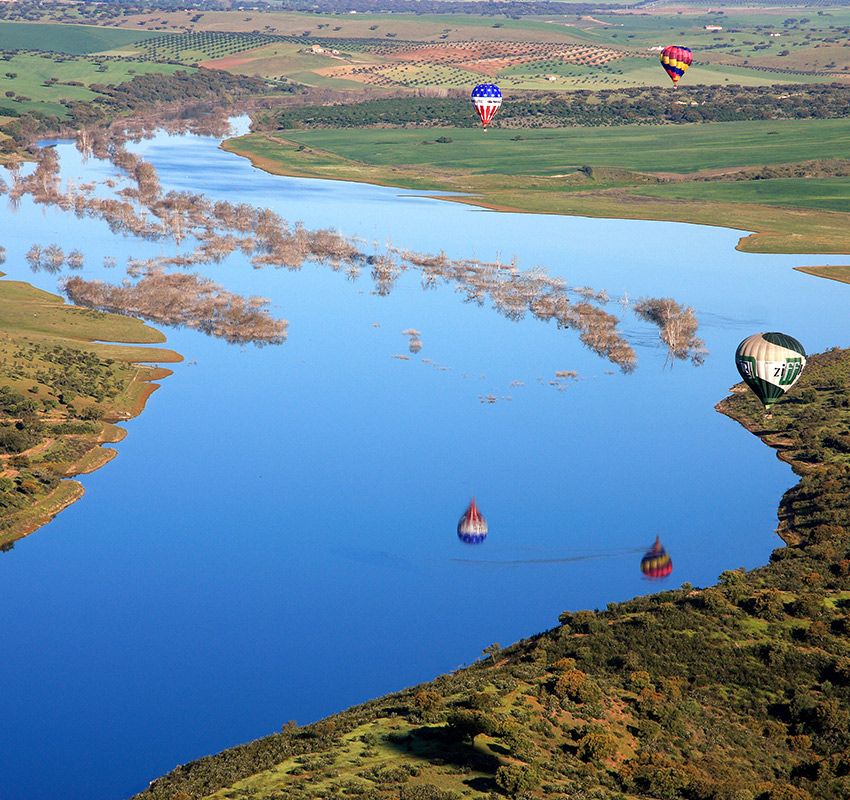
(276, 539)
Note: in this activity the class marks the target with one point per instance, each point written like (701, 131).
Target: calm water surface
(276, 539)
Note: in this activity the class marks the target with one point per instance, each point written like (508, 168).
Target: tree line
(586, 107)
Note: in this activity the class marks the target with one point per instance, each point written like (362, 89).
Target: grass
(191, 48)
(25, 310)
(537, 171)
(831, 194)
(836, 272)
(33, 71)
(284, 59)
(56, 358)
(662, 148)
(71, 39)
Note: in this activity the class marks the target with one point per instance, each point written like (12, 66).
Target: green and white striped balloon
(770, 364)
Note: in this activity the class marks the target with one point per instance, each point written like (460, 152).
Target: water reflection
(656, 563)
(142, 208)
(472, 527)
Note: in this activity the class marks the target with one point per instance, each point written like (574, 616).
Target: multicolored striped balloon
(676, 60)
(487, 98)
(656, 563)
(770, 364)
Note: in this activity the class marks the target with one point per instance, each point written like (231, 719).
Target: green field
(832, 194)
(661, 148)
(191, 48)
(72, 39)
(32, 73)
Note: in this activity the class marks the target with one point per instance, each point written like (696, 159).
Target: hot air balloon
(656, 563)
(770, 364)
(486, 97)
(472, 527)
(676, 60)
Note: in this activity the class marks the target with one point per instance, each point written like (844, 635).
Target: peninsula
(62, 391)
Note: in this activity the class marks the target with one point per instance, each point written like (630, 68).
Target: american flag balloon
(486, 97)
(676, 60)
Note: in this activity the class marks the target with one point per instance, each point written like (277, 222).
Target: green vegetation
(70, 39)
(838, 272)
(789, 38)
(735, 692)
(184, 89)
(560, 47)
(605, 108)
(832, 194)
(754, 176)
(59, 395)
(190, 48)
(683, 148)
(45, 84)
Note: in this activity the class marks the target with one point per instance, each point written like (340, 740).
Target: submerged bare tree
(677, 327)
(52, 258)
(75, 259)
(182, 299)
(33, 257)
(221, 228)
(414, 344)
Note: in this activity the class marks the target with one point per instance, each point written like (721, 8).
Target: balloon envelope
(676, 59)
(487, 98)
(770, 364)
(656, 563)
(472, 527)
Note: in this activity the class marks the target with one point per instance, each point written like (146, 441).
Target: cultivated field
(669, 148)
(558, 52)
(72, 39)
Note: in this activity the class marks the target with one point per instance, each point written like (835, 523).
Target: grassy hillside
(740, 691)
(71, 39)
(59, 395)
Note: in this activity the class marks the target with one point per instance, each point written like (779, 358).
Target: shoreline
(109, 339)
(614, 667)
(69, 491)
(606, 203)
